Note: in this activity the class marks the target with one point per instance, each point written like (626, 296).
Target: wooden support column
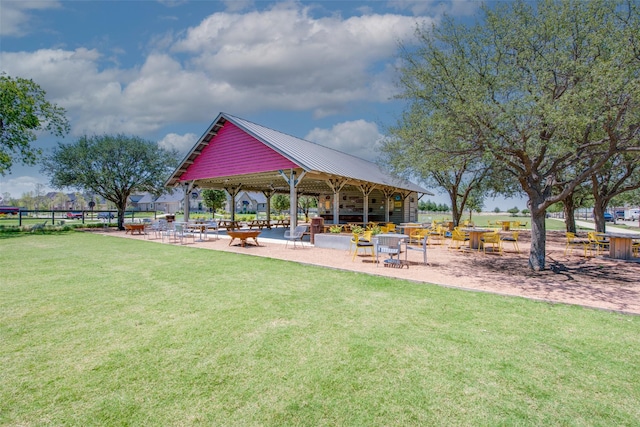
(268, 194)
(293, 196)
(233, 192)
(188, 188)
(336, 185)
(388, 192)
(366, 191)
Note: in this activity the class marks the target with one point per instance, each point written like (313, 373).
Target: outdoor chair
(458, 239)
(492, 238)
(422, 247)
(358, 242)
(512, 238)
(181, 232)
(389, 245)
(573, 241)
(295, 236)
(212, 226)
(597, 242)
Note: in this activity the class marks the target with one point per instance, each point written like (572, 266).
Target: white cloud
(19, 185)
(15, 16)
(358, 138)
(181, 143)
(279, 59)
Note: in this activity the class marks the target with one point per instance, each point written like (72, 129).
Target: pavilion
(235, 155)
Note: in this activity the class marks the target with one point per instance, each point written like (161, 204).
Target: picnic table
(258, 223)
(281, 223)
(243, 235)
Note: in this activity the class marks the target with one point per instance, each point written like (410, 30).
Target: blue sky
(163, 70)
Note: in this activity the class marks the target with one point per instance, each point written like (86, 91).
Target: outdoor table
(201, 228)
(620, 245)
(243, 235)
(475, 234)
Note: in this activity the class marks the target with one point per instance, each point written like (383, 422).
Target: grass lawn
(98, 330)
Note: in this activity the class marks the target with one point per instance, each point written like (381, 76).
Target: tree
(540, 86)
(305, 203)
(24, 111)
(113, 167)
(421, 145)
(214, 199)
(280, 203)
(621, 174)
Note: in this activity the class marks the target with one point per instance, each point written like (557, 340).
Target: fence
(60, 216)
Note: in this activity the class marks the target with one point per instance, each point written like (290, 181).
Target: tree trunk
(598, 217)
(537, 254)
(569, 214)
(455, 213)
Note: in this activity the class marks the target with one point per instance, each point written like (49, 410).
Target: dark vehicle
(608, 217)
(9, 210)
(105, 215)
(74, 215)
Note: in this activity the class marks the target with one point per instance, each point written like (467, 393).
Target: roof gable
(234, 152)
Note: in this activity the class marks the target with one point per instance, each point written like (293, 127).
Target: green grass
(98, 330)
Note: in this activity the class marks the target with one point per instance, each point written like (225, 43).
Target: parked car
(105, 215)
(608, 217)
(74, 215)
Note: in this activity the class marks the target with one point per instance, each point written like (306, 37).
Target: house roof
(235, 152)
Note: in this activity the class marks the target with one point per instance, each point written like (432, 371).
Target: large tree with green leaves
(112, 166)
(422, 146)
(541, 86)
(24, 111)
(214, 199)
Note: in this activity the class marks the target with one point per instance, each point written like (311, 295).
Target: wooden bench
(243, 235)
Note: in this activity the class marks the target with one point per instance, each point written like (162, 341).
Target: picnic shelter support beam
(366, 191)
(188, 188)
(336, 185)
(268, 194)
(233, 192)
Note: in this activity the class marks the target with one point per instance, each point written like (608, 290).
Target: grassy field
(104, 331)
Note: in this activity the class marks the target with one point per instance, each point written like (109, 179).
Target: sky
(163, 70)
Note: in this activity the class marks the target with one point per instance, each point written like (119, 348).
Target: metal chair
(421, 248)
(513, 238)
(389, 245)
(295, 236)
(363, 241)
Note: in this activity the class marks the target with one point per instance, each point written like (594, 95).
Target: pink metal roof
(235, 152)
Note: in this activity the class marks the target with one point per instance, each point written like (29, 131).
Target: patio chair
(212, 226)
(295, 236)
(422, 247)
(358, 241)
(512, 238)
(181, 232)
(573, 241)
(458, 239)
(492, 238)
(597, 242)
(389, 245)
